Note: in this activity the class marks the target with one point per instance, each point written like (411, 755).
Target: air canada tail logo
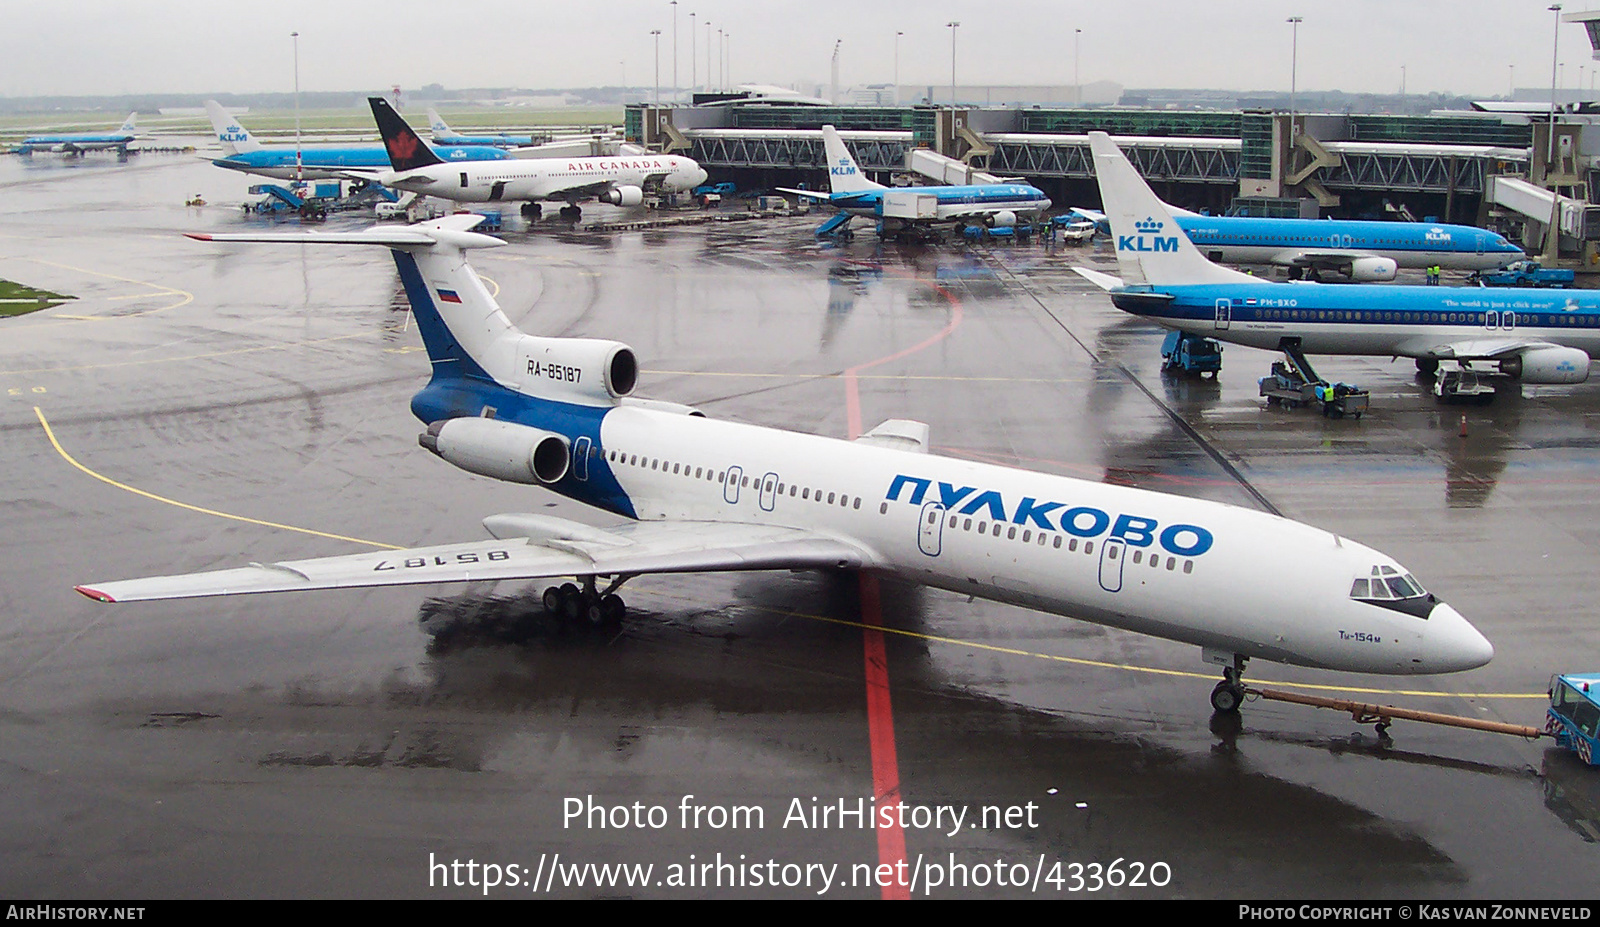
(1148, 237)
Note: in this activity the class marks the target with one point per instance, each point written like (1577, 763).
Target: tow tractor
(1293, 383)
(1573, 717)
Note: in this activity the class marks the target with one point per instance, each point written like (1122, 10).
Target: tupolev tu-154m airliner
(703, 495)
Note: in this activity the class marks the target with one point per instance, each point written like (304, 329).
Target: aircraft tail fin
(457, 317)
(437, 126)
(406, 148)
(127, 124)
(1151, 249)
(844, 175)
(234, 137)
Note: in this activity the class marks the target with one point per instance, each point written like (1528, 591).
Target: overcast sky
(216, 46)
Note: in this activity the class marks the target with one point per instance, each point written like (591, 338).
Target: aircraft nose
(1457, 644)
(698, 176)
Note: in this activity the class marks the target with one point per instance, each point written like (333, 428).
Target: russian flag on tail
(449, 296)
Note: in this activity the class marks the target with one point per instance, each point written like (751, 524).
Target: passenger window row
(1043, 538)
(844, 500)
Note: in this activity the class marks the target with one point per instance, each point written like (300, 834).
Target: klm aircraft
(998, 204)
(695, 494)
(1362, 251)
(1358, 250)
(317, 162)
(1535, 336)
(444, 135)
(78, 144)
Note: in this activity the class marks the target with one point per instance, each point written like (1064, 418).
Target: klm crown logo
(1148, 237)
(845, 168)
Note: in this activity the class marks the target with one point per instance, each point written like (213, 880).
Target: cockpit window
(1388, 586)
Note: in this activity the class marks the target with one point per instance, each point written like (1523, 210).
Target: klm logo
(1083, 521)
(1148, 238)
(1437, 235)
(458, 155)
(843, 169)
(233, 134)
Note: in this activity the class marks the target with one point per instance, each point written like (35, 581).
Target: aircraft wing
(1483, 348)
(628, 550)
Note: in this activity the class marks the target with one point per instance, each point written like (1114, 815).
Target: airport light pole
(727, 59)
(833, 88)
(693, 54)
(1294, 61)
(953, 26)
(1511, 83)
(1555, 45)
(896, 96)
(657, 34)
(1077, 85)
(298, 159)
(674, 50)
(721, 72)
(708, 55)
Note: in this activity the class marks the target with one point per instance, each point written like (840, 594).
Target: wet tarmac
(203, 401)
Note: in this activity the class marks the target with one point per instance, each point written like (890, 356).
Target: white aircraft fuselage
(569, 179)
(1189, 570)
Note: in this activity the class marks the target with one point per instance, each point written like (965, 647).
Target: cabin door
(1112, 553)
(930, 529)
(1224, 314)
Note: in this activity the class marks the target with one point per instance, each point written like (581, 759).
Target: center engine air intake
(581, 370)
(503, 450)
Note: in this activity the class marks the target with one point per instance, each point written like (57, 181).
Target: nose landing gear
(1229, 693)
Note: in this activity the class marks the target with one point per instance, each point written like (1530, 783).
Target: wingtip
(198, 236)
(95, 594)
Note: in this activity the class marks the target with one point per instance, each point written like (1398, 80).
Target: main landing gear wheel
(569, 602)
(532, 210)
(571, 212)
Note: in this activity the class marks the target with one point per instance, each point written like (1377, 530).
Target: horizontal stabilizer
(1103, 281)
(809, 194)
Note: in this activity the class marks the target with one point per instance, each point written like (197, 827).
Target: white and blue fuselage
(1260, 240)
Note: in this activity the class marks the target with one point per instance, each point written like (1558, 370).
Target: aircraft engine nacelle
(1552, 365)
(1373, 269)
(503, 450)
(626, 195)
(1003, 219)
(587, 371)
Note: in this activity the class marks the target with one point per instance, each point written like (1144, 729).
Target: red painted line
(880, 734)
(880, 712)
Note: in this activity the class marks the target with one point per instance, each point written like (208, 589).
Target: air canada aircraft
(704, 495)
(993, 204)
(620, 181)
(242, 152)
(78, 144)
(1536, 336)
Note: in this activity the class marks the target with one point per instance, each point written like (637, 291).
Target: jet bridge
(949, 171)
(1577, 219)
